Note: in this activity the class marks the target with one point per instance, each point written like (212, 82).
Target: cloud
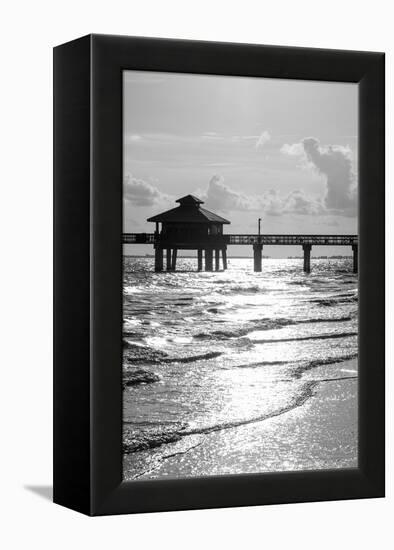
(142, 193)
(294, 150)
(297, 202)
(335, 163)
(219, 196)
(262, 139)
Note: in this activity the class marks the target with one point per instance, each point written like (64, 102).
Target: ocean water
(211, 358)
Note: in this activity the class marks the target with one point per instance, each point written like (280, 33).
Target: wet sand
(319, 434)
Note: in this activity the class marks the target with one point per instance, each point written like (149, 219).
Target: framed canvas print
(219, 275)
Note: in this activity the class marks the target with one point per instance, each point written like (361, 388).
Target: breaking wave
(264, 324)
(136, 377)
(304, 338)
(326, 302)
(138, 440)
(134, 353)
(309, 365)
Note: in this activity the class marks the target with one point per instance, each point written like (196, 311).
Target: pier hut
(189, 227)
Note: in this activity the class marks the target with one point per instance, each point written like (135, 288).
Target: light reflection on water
(227, 374)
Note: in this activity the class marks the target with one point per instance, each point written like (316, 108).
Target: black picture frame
(88, 274)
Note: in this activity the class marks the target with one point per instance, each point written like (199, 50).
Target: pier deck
(216, 242)
(316, 240)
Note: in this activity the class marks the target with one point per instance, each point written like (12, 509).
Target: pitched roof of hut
(188, 211)
(189, 199)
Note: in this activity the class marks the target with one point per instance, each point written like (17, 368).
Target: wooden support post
(224, 257)
(307, 257)
(168, 259)
(199, 259)
(158, 259)
(174, 255)
(208, 259)
(257, 254)
(355, 258)
(217, 259)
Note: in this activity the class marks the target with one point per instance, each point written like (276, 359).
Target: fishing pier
(191, 227)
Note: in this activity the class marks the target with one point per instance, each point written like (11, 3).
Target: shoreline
(321, 433)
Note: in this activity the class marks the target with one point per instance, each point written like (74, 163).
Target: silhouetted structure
(189, 227)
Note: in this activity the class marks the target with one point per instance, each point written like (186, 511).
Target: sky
(283, 150)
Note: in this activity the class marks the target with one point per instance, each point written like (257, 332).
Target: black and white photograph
(196, 255)
(240, 275)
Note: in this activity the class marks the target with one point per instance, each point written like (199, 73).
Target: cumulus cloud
(263, 138)
(141, 192)
(335, 163)
(297, 202)
(294, 150)
(219, 196)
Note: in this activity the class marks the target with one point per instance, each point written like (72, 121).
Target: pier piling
(158, 259)
(217, 259)
(168, 259)
(224, 257)
(199, 259)
(174, 255)
(307, 257)
(257, 255)
(355, 258)
(208, 259)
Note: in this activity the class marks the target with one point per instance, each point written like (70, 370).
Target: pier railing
(138, 238)
(316, 240)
